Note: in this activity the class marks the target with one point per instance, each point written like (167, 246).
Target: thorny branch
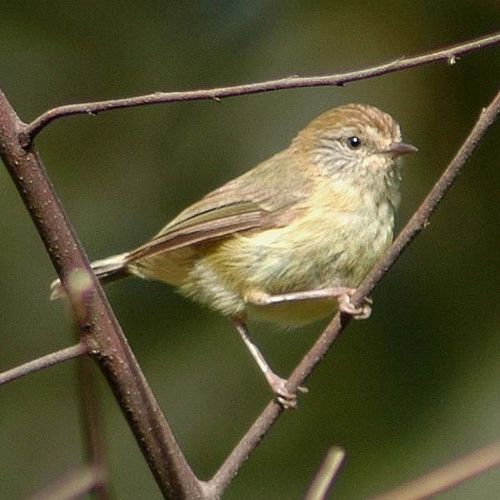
(96, 321)
(450, 55)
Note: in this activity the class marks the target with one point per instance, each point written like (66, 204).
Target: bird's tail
(106, 270)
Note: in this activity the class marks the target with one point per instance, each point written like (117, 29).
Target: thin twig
(308, 363)
(448, 476)
(450, 54)
(326, 474)
(73, 485)
(91, 423)
(46, 361)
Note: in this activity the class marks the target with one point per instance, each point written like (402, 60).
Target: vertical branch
(92, 427)
(98, 326)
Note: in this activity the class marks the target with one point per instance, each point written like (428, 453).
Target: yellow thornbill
(289, 240)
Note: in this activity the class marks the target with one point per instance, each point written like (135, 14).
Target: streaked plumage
(316, 215)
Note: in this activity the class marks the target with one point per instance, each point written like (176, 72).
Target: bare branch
(326, 474)
(75, 484)
(448, 476)
(46, 361)
(96, 321)
(91, 424)
(415, 225)
(98, 326)
(450, 55)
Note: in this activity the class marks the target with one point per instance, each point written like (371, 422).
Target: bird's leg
(277, 384)
(341, 294)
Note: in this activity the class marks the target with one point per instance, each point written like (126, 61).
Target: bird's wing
(248, 202)
(202, 227)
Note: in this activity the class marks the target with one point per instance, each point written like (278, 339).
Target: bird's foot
(285, 397)
(346, 306)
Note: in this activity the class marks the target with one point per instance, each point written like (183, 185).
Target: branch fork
(94, 316)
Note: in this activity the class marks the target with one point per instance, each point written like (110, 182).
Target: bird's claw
(346, 306)
(285, 398)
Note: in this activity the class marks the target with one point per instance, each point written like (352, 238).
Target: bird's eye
(354, 142)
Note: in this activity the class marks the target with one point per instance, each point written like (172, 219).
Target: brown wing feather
(254, 200)
(182, 235)
(259, 199)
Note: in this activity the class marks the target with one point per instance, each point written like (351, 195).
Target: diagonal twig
(308, 363)
(450, 54)
(46, 361)
(74, 484)
(448, 476)
(326, 474)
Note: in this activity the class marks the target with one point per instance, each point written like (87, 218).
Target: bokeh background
(406, 391)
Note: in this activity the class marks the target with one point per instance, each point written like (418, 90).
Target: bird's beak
(400, 149)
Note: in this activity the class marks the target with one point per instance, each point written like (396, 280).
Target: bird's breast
(324, 246)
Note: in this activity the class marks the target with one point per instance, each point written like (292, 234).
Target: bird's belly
(291, 259)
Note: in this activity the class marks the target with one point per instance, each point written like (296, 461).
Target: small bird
(290, 240)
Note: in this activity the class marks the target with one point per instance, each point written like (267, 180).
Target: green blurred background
(410, 389)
